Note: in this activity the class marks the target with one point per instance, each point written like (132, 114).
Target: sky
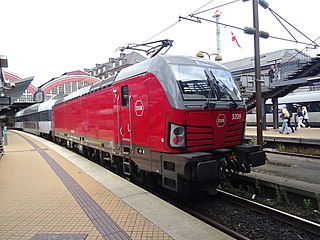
(47, 38)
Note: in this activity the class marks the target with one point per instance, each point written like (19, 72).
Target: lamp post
(218, 57)
(257, 68)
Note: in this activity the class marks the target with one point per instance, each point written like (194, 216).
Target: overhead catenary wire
(277, 16)
(274, 13)
(239, 28)
(178, 21)
(222, 5)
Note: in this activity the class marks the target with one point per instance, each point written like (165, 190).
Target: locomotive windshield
(203, 82)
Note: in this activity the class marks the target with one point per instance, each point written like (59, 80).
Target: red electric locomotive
(180, 120)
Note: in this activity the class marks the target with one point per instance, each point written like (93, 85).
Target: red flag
(233, 38)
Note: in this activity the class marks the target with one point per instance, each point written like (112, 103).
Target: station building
(71, 81)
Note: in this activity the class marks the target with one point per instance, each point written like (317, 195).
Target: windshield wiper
(216, 84)
(212, 89)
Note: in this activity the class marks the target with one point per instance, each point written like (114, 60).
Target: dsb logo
(138, 108)
(221, 120)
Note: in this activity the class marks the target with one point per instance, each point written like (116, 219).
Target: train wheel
(138, 175)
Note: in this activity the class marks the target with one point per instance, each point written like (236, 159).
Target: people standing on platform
(272, 73)
(289, 121)
(305, 116)
(284, 116)
(300, 118)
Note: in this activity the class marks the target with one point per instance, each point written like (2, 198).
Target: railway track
(210, 221)
(245, 219)
(282, 216)
(274, 151)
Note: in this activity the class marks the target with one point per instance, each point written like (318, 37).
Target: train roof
(37, 107)
(179, 59)
(31, 109)
(158, 65)
(19, 113)
(77, 93)
(153, 65)
(298, 97)
(47, 105)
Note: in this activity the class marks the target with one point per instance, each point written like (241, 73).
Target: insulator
(264, 4)
(264, 34)
(249, 30)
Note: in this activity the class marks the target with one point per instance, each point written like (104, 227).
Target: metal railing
(287, 67)
(291, 64)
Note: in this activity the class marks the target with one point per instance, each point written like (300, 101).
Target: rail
(275, 213)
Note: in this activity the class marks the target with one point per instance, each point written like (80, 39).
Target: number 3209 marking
(236, 116)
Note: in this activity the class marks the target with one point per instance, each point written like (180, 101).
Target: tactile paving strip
(102, 221)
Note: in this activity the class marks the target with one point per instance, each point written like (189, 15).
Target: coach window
(124, 96)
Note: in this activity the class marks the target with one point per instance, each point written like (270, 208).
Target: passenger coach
(309, 99)
(37, 118)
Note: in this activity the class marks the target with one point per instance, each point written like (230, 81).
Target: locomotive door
(123, 125)
(131, 121)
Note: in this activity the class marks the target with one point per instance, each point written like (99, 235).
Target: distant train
(309, 99)
(36, 119)
(178, 121)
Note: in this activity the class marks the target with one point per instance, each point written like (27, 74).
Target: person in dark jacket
(289, 121)
(272, 73)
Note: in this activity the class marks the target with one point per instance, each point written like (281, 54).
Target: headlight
(177, 136)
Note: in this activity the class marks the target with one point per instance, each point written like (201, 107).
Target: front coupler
(250, 155)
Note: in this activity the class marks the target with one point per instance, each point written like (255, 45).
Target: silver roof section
(47, 105)
(38, 107)
(77, 93)
(159, 66)
(20, 113)
(150, 65)
(298, 97)
(31, 109)
(102, 84)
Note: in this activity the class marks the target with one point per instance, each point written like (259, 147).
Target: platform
(302, 135)
(48, 192)
(297, 174)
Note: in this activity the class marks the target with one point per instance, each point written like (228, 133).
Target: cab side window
(124, 96)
